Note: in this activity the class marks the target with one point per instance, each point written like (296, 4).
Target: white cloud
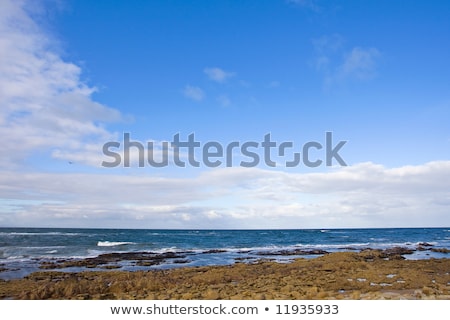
(194, 93)
(44, 102)
(309, 4)
(337, 63)
(274, 84)
(325, 48)
(362, 195)
(224, 100)
(360, 63)
(218, 75)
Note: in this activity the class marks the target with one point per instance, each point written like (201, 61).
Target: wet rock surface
(109, 259)
(441, 250)
(295, 252)
(214, 251)
(396, 253)
(425, 244)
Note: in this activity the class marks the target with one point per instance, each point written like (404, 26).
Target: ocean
(25, 250)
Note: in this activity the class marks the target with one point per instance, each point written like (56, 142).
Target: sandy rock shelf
(344, 275)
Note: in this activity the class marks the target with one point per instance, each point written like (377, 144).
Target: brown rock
(441, 250)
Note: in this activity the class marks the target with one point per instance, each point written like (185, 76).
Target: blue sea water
(23, 249)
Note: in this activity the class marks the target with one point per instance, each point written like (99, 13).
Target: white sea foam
(373, 245)
(331, 246)
(15, 257)
(93, 253)
(169, 249)
(112, 243)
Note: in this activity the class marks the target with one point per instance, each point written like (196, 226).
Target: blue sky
(77, 74)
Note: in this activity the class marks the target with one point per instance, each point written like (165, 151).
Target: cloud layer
(364, 195)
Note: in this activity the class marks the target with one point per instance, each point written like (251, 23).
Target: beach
(369, 274)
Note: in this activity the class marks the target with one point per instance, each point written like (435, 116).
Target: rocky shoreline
(116, 260)
(369, 274)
